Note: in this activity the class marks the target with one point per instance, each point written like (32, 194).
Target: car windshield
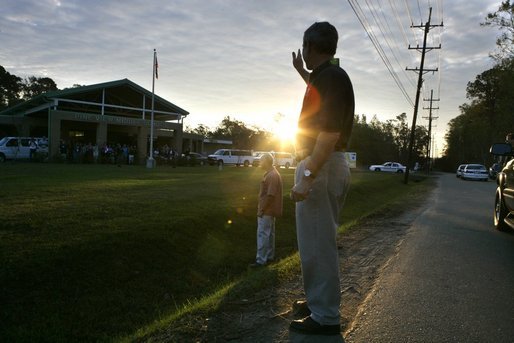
(219, 152)
(475, 167)
(3, 140)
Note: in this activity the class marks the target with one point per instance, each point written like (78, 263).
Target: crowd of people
(111, 153)
(108, 153)
(166, 155)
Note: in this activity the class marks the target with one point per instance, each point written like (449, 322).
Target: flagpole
(150, 163)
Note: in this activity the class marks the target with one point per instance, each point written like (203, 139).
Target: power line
(357, 9)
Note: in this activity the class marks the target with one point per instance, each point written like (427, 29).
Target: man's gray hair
(267, 156)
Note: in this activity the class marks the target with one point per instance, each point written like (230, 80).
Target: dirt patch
(265, 316)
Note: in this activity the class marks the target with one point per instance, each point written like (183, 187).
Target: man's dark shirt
(328, 106)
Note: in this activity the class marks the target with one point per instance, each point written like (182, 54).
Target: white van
(15, 148)
(282, 159)
(231, 156)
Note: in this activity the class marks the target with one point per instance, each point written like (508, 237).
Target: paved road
(452, 279)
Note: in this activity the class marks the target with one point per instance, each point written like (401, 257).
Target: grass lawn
(96, 252)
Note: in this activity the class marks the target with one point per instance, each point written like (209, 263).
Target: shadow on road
(295, 337)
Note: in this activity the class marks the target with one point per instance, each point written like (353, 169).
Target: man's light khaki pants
(317, 220)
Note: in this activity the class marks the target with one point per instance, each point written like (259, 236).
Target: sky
(232, 58)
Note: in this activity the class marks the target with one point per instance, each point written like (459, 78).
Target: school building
(110, 112)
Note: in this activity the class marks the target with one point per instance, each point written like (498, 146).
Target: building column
(177, 140)
(54, 134)
(101, 134)
(142, 144)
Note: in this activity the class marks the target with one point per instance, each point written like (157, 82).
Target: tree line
(374, 141)
(489, 115)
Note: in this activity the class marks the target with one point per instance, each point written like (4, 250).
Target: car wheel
(2, 158)
(377, 169)
(246, 163)
(399, 171)
(220, 163)
(287, 165)
(500, 212)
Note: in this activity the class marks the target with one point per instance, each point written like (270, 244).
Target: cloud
(228, 57)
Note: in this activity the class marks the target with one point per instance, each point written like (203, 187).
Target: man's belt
(304, 153)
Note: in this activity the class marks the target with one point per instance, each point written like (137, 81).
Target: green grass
(94, 253)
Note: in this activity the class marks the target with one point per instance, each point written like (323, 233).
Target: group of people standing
(321, 182)
(108, 153)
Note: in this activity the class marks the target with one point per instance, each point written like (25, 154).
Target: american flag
(156, 65)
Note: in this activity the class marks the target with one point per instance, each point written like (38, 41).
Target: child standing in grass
(270, 207)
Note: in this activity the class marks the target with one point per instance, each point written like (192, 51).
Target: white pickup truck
(231, 156)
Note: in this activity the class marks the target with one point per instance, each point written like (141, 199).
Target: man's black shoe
(308, 326)
(300, 309)
(256, 265)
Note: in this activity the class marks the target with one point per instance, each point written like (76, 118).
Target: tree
(489, 116)
(201, 130)
(378, 142)
(235, 130)
(484, 90)
(503, 19)
(10, 88)
(33, 86)
(401, 134)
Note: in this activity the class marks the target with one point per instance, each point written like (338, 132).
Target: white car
(460, 169)
(475, 172)
(391, 167)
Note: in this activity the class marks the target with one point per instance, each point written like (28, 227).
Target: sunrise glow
(284, 129)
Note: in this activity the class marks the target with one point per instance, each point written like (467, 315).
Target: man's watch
(308, 173)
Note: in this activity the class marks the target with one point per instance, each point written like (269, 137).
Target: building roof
(119, 98)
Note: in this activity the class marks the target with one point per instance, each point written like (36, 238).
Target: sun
(285, 130)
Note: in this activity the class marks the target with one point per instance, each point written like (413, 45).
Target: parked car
(475, 172)
(391, 167)
(15, 148)
(194, 158)
(504, 199)
(257, 158)
(231, 156)
(494, 170)
(460, 169)
(282, 159)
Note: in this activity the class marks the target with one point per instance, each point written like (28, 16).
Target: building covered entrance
(117, 112)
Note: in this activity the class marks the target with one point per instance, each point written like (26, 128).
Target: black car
(194, 158)
(504, 199)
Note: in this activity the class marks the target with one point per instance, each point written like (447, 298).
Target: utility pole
(421, 70)
(430, 118)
